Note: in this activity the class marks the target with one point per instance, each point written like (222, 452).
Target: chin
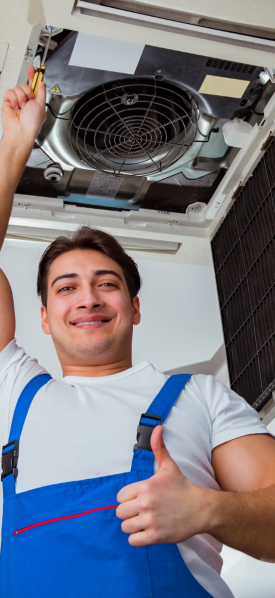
(89, 348)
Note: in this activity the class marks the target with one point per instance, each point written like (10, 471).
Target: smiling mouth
(90, 323)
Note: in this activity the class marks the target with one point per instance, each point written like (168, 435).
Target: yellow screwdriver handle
(38, 78)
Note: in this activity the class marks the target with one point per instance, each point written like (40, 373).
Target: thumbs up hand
(166, 508)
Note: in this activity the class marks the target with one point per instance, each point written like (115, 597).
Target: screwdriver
(40, 71)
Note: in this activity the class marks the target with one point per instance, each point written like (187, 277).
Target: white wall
(180, 316)
(250, 578)
(180, 321)
(20, 266)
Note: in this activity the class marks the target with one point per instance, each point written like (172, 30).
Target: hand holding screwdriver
(22, 115)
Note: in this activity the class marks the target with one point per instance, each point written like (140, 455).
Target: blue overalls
(65, 540)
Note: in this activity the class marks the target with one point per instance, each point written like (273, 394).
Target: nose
(89, 299)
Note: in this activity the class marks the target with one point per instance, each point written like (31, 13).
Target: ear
(136, 311)
(44, 320)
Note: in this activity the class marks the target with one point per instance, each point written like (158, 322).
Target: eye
(65, 289)
(108, 284)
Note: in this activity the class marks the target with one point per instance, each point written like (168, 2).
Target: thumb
(31, 72)
(159, 449)
(41, 94)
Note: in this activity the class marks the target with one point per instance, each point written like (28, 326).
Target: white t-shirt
(81, 428)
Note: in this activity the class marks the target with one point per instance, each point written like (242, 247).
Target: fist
(22, 115)
(166, 508)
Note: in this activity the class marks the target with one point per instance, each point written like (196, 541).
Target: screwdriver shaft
(47, 47)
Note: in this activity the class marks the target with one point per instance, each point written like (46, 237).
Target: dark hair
(88, 238)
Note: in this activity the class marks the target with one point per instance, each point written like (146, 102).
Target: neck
(96, 371)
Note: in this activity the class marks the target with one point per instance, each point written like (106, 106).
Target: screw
(196, 208)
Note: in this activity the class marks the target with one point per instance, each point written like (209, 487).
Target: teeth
(96, 322)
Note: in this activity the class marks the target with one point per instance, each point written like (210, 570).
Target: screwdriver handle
(38, 78)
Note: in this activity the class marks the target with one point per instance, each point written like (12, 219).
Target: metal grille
(226, 65)
(244, 260)
(133, 126)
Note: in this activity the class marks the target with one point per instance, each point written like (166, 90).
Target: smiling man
(82, 514)
(94, 338)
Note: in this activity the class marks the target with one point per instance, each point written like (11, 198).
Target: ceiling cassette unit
(137, 131)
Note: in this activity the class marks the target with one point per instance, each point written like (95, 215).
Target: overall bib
(65, 540)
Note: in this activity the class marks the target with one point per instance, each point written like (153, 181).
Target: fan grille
(133, 126)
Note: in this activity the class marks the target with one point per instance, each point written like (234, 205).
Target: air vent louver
(226, 65)
(244, 259)
(138, 126)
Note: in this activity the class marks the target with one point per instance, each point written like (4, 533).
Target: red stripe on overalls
(24, 529)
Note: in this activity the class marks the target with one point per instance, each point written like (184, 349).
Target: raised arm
(22, 118)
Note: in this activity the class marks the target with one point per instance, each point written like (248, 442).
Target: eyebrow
(97, 273)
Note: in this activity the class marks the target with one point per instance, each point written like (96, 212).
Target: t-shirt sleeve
(230, 415)
(16, 370)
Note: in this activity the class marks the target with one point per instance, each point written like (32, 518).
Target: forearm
(245, 521)
(13, 157)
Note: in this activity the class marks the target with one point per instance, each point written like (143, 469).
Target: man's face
(89, 311)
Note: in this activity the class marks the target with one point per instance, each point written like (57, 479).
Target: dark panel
(248, 384)
(244, 258)
(242, 349)
(224, 240)
(252, 196)
(230, 274)
(264, 318)
(235, 311)
(260, 231)
(262, 276)
(176, 193)
(34, 178)
(269, 160)
(267, 362)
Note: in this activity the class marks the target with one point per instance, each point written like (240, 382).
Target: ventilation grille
(225, 65)
(244, 259)
(138, 126)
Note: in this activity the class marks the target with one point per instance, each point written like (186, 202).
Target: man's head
(88, 286)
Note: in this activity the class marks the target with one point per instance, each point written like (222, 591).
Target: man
(74, 522)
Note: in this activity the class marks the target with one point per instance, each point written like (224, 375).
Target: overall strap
(10, 451)
(143, 459)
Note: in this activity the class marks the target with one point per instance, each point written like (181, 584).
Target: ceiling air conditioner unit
(135, 133)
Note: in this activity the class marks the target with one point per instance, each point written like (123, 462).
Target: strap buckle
(10, 453)
(144, 431)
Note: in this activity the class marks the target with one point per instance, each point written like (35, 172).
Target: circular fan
(133, 126)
